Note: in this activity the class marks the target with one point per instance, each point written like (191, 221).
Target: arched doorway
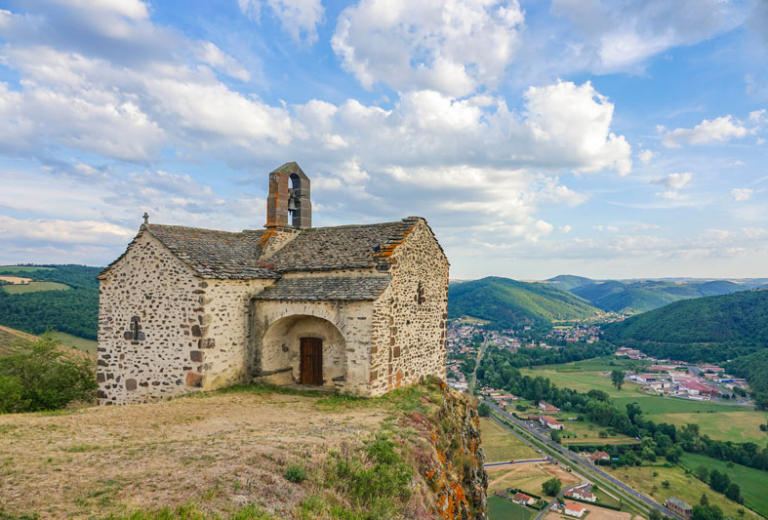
(304, 349)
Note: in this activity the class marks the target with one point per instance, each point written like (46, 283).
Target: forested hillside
(506, 303)
(632, 296)
(73, 311)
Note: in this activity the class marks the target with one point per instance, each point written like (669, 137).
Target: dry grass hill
(251, 452)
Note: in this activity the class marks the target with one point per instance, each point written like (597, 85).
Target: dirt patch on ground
(223, 450)
(528, 476)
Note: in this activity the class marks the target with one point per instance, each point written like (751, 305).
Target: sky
(610, 139)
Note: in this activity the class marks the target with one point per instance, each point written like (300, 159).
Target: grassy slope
(35, 287)
(218, 451)
(740, 426)
(505, 301)
(499, 445)
(753, 483)
(685, 487)
(86, 345)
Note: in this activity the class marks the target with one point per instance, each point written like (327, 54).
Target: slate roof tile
(326, 288)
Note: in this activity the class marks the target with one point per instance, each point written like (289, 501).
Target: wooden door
(311, 367)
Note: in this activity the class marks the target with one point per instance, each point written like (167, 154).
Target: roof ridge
(174, 226)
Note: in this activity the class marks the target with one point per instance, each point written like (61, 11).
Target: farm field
(86, 345)
(740, 426)
(686, 487)
(753, 482)
(500, 445)
(528, 477)
(35, 287)
(22, 269)
(584, 378)
(501, 509)
(583, 432)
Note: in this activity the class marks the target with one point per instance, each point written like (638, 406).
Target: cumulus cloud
(719, 129)
(741, 194)
(299, 18)
(449, 46)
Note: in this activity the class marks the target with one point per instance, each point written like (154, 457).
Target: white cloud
(210, 54)
(566, 228)
(451, 46)
(742, 194)
(719, 129)
(132, 9)
(674, 181)
(646, 156)
(63, 231)
(605, 36)
(299, 18)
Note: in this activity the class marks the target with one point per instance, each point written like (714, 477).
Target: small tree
(702, 473)
(617, 377)
(552, 487)
(555, 435)
(665, 484)
(483, 410)
(734, 493)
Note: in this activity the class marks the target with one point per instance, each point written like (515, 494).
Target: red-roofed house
(548, 408)
(574, 509)
(523, 499)
(600, 456)
(552, 424)
(581, 493)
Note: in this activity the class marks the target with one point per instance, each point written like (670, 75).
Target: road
(581, 464)
(510, 462)
(562, 493)
(480, 354)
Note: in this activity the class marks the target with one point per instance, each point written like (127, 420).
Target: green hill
(715, 328)
(73, 310)
(633, 296)
(507, 303)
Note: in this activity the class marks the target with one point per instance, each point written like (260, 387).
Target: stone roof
(229, 255)
(215, 254)
(326, 288)
(341, 247)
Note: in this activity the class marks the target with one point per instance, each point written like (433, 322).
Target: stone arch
(280, 349)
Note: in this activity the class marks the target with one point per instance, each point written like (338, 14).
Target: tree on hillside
(38, 376)
(734, 493)
(483, 410)
(707, 512)
(617, 377)
(552, 487)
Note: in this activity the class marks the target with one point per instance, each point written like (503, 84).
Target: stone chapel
(358, 308)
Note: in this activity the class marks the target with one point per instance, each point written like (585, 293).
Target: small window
(420, 294)
(134, 333)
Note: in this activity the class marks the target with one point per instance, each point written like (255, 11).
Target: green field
(753, 482)
(35, 287)
(737, 426)
(86, 345)
(584, 378)
(22, 269)
(500, 445)
(501, 509)
(686, 487)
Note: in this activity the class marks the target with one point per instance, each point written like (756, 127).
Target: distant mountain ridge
(506, 302)
(634, 296)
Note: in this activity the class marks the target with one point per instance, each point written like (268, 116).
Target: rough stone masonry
(361, 308)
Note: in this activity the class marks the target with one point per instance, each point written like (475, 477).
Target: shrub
(552, 487)
(295, 474)
(39, 377)
(483, 410)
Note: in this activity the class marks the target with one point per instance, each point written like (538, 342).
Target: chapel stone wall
(151, 288)
(409, 318)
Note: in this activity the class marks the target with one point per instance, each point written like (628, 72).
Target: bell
(292, 204)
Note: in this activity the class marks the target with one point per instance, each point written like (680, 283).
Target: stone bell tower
(289, 193)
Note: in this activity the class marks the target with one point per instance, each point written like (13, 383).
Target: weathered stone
(130, 384)
(194, 379)
(196, 356)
